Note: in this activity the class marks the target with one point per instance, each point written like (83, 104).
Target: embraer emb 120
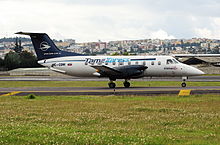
(112, 67)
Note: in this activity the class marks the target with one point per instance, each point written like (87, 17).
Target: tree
(12, 60)
(115, 54)
(18, 48)
(125, 53)
(24, 59)
(87, 51)
(28, 59)
(1, 63)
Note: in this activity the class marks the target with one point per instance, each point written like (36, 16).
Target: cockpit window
(175, 61)
(169, 61)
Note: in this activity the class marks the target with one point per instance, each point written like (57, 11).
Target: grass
(211, 75)
(110, 120)
(99, 83)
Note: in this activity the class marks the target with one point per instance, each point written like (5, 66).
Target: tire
(111, 85)
(127, 84)
(183, 85)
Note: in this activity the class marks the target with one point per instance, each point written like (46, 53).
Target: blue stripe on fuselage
(65, 61)
(146, 59)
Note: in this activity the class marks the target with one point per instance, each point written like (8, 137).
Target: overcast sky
(93, 20)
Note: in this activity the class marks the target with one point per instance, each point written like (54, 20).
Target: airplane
(112, 67)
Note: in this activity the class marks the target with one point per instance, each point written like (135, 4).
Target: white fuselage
(157, 66)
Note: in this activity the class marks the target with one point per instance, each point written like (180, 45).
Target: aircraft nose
(199, 72)
(194, 71)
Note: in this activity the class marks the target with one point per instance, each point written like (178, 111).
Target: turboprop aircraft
(112, 67)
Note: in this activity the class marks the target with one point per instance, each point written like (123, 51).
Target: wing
(121, 72)
(107, 71)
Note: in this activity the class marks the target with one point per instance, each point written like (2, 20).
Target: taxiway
(54, 91)
(146, 91)
(67, 78)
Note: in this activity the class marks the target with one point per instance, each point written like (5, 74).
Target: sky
(93, 20)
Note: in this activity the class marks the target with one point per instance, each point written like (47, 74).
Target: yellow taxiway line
(10, 94)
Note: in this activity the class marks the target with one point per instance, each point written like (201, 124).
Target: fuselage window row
(136, 63)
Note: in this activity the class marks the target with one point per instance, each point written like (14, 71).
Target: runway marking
(10, 94)
(184, 92)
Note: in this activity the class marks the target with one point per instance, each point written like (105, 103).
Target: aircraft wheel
(183, 84)
(126, 84)
(111, 85)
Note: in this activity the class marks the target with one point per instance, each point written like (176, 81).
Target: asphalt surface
(146, 91)
(54, 91)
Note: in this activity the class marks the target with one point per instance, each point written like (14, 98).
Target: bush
(31, 96)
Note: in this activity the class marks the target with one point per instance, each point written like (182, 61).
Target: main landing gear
(112, 85)
(184, 81)
(126, 84)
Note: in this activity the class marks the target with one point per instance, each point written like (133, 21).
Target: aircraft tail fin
(45, 47)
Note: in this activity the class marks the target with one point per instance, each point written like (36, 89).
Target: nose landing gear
(184, 81)
(183, 84)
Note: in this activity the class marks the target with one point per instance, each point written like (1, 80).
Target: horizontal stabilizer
(57, 70)
(28, 33)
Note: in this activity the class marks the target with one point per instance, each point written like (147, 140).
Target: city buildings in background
(124, 47)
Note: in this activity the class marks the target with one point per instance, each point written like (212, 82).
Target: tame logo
(92, 61)
(105, 60)
(44, 46)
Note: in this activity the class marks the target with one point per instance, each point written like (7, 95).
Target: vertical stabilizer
(45, 47)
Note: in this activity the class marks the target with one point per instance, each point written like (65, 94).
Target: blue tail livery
(44, 46)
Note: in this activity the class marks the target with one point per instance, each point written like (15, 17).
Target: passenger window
(159, 63)
(136, 62)
(152, 63)
(169, 61)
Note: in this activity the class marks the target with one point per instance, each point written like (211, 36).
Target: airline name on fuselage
(52, 53)
(106, 60)
(170, 68)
